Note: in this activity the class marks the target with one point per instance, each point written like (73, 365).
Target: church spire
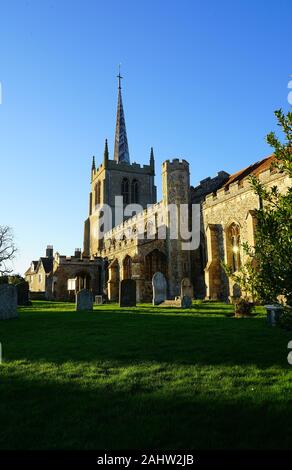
(121, 154)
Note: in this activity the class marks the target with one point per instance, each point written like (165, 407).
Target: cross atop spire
(121, 153)
(119, 77)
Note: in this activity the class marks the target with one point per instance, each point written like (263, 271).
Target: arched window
(97, 193)
(125, 190)
(154, 261)
(127, 268)
(135, 192)
(234, 242)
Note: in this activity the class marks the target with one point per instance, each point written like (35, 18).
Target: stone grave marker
(98, 300)
(186, 288)
(23, 293)
(84, 300)
(8, 301)
(186, 302)
(127, 293)
(159, 285)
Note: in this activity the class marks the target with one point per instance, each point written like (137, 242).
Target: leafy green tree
(246, 277)
(267, 273)
(272, 254)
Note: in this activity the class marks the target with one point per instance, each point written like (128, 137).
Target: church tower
(133, 183)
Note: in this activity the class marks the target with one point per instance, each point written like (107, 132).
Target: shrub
(243, 307)
(285, 320)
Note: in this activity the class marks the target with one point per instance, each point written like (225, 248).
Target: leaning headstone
(8, 302)
(186, 302)
(159, 285)
(128, 293)
(84, 300)
(186, 288)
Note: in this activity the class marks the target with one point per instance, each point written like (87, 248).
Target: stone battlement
(63, 259)
(113, 164)
(123, 167)
(136, 219)
(175, 164)
(208, 185)
(239, 187)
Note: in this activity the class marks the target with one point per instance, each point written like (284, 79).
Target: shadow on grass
(124, 337)
(47, 415)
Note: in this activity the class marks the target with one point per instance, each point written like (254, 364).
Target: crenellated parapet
(130, 168)
(207, 186)
(80, 259)
(175, 164)
(133, 230)
(237, 188)
(121, 167)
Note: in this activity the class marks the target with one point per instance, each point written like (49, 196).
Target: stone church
(137, 244)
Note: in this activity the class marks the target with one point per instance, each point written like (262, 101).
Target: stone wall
(129, 240)
(89, 271)
(37, 281)
(227, 206)
(207, 186)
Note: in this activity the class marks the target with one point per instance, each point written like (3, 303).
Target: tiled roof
(47, 264)
(29, 271)
(253, 169)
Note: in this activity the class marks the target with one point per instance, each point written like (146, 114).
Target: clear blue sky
(201, 81)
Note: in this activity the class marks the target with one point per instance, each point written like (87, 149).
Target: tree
(267, 275)
(246, 277)
(272, 253)
(7, 249)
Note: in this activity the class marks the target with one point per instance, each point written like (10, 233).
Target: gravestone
(186, 302)
(98, 300)
(159, 285)
(84, 300)
(273, 314)
(186, 288)
(8, 301)
(128, 293)
(22, 293)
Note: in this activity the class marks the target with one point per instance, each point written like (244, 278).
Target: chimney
(77, 253)
(49, 251)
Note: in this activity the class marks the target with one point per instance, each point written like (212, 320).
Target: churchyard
(143, 377)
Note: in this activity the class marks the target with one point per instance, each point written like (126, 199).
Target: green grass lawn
(144, 377)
